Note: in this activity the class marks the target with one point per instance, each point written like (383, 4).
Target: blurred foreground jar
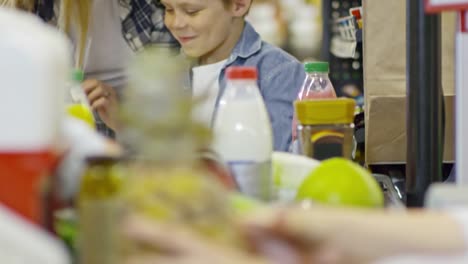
(325, 127)
(99, 208)
(166, 182)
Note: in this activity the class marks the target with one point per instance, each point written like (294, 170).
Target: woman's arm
(365, 235)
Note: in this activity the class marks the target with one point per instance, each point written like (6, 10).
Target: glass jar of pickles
(99, 207)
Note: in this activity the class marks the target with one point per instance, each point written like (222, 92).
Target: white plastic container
(34, 66)
(23, 242)
(243, 135)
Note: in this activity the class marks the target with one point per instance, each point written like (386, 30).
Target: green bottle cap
(318, 66)
(78, 75)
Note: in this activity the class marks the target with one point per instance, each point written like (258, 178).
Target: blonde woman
(105, 34)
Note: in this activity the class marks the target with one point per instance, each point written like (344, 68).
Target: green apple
(341, 182)
(242, 204)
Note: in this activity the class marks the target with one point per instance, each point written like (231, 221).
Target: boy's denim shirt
(280, 77)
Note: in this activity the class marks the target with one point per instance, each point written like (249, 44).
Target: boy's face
(200, 26)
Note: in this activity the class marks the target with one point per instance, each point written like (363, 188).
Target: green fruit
(289, 171)
(242, 204)
(341, 182)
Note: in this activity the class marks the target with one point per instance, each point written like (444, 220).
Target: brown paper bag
(384, 40)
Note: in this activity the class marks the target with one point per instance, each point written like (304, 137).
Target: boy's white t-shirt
(205, 83)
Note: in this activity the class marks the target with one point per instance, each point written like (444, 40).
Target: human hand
(103, 100)
(328, 235)
(298, 236)
(162, 243)
(154, 242)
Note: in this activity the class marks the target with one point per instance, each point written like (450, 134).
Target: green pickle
(102, 179)
(181, 195)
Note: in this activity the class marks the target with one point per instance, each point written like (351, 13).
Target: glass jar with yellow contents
(99, 207)
(168, 182)
(325, 127)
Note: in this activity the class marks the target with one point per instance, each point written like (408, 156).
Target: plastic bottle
(34, 62)
(317, 85)
(243, 135)
(77, 102)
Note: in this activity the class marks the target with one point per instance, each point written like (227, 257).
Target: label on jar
(327, 144)
(253, 178)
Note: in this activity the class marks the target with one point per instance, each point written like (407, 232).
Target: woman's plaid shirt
(142, 22)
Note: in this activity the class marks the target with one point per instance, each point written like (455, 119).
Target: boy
(215, 34)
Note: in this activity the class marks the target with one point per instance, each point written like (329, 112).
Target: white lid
(21, 242)
(34, 66)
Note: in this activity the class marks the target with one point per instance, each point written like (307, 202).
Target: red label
(20, 179)
(436, 6)
(464, 21)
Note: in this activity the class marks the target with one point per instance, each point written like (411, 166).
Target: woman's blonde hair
(20, 4)
(76, 12)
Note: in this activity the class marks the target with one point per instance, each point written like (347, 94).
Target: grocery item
(81, 112)
(180, 195)
(243, 136)
(77, 102)
(289, 171)
(317, 85)
(24, 242)
(341, 182)
(325, 127)
(33, 68)
(99, 208)
(165, 182)
(243, 204)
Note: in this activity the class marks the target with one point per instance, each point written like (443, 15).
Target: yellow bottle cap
(325, 111)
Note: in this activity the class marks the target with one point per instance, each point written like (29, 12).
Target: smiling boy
(216, 35)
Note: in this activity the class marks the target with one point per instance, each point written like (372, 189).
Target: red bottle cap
(241, 72)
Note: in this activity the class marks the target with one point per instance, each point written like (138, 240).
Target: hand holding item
(102, 99)
(307, 234)
(162, 243)
(318, 234)
(285, 235)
